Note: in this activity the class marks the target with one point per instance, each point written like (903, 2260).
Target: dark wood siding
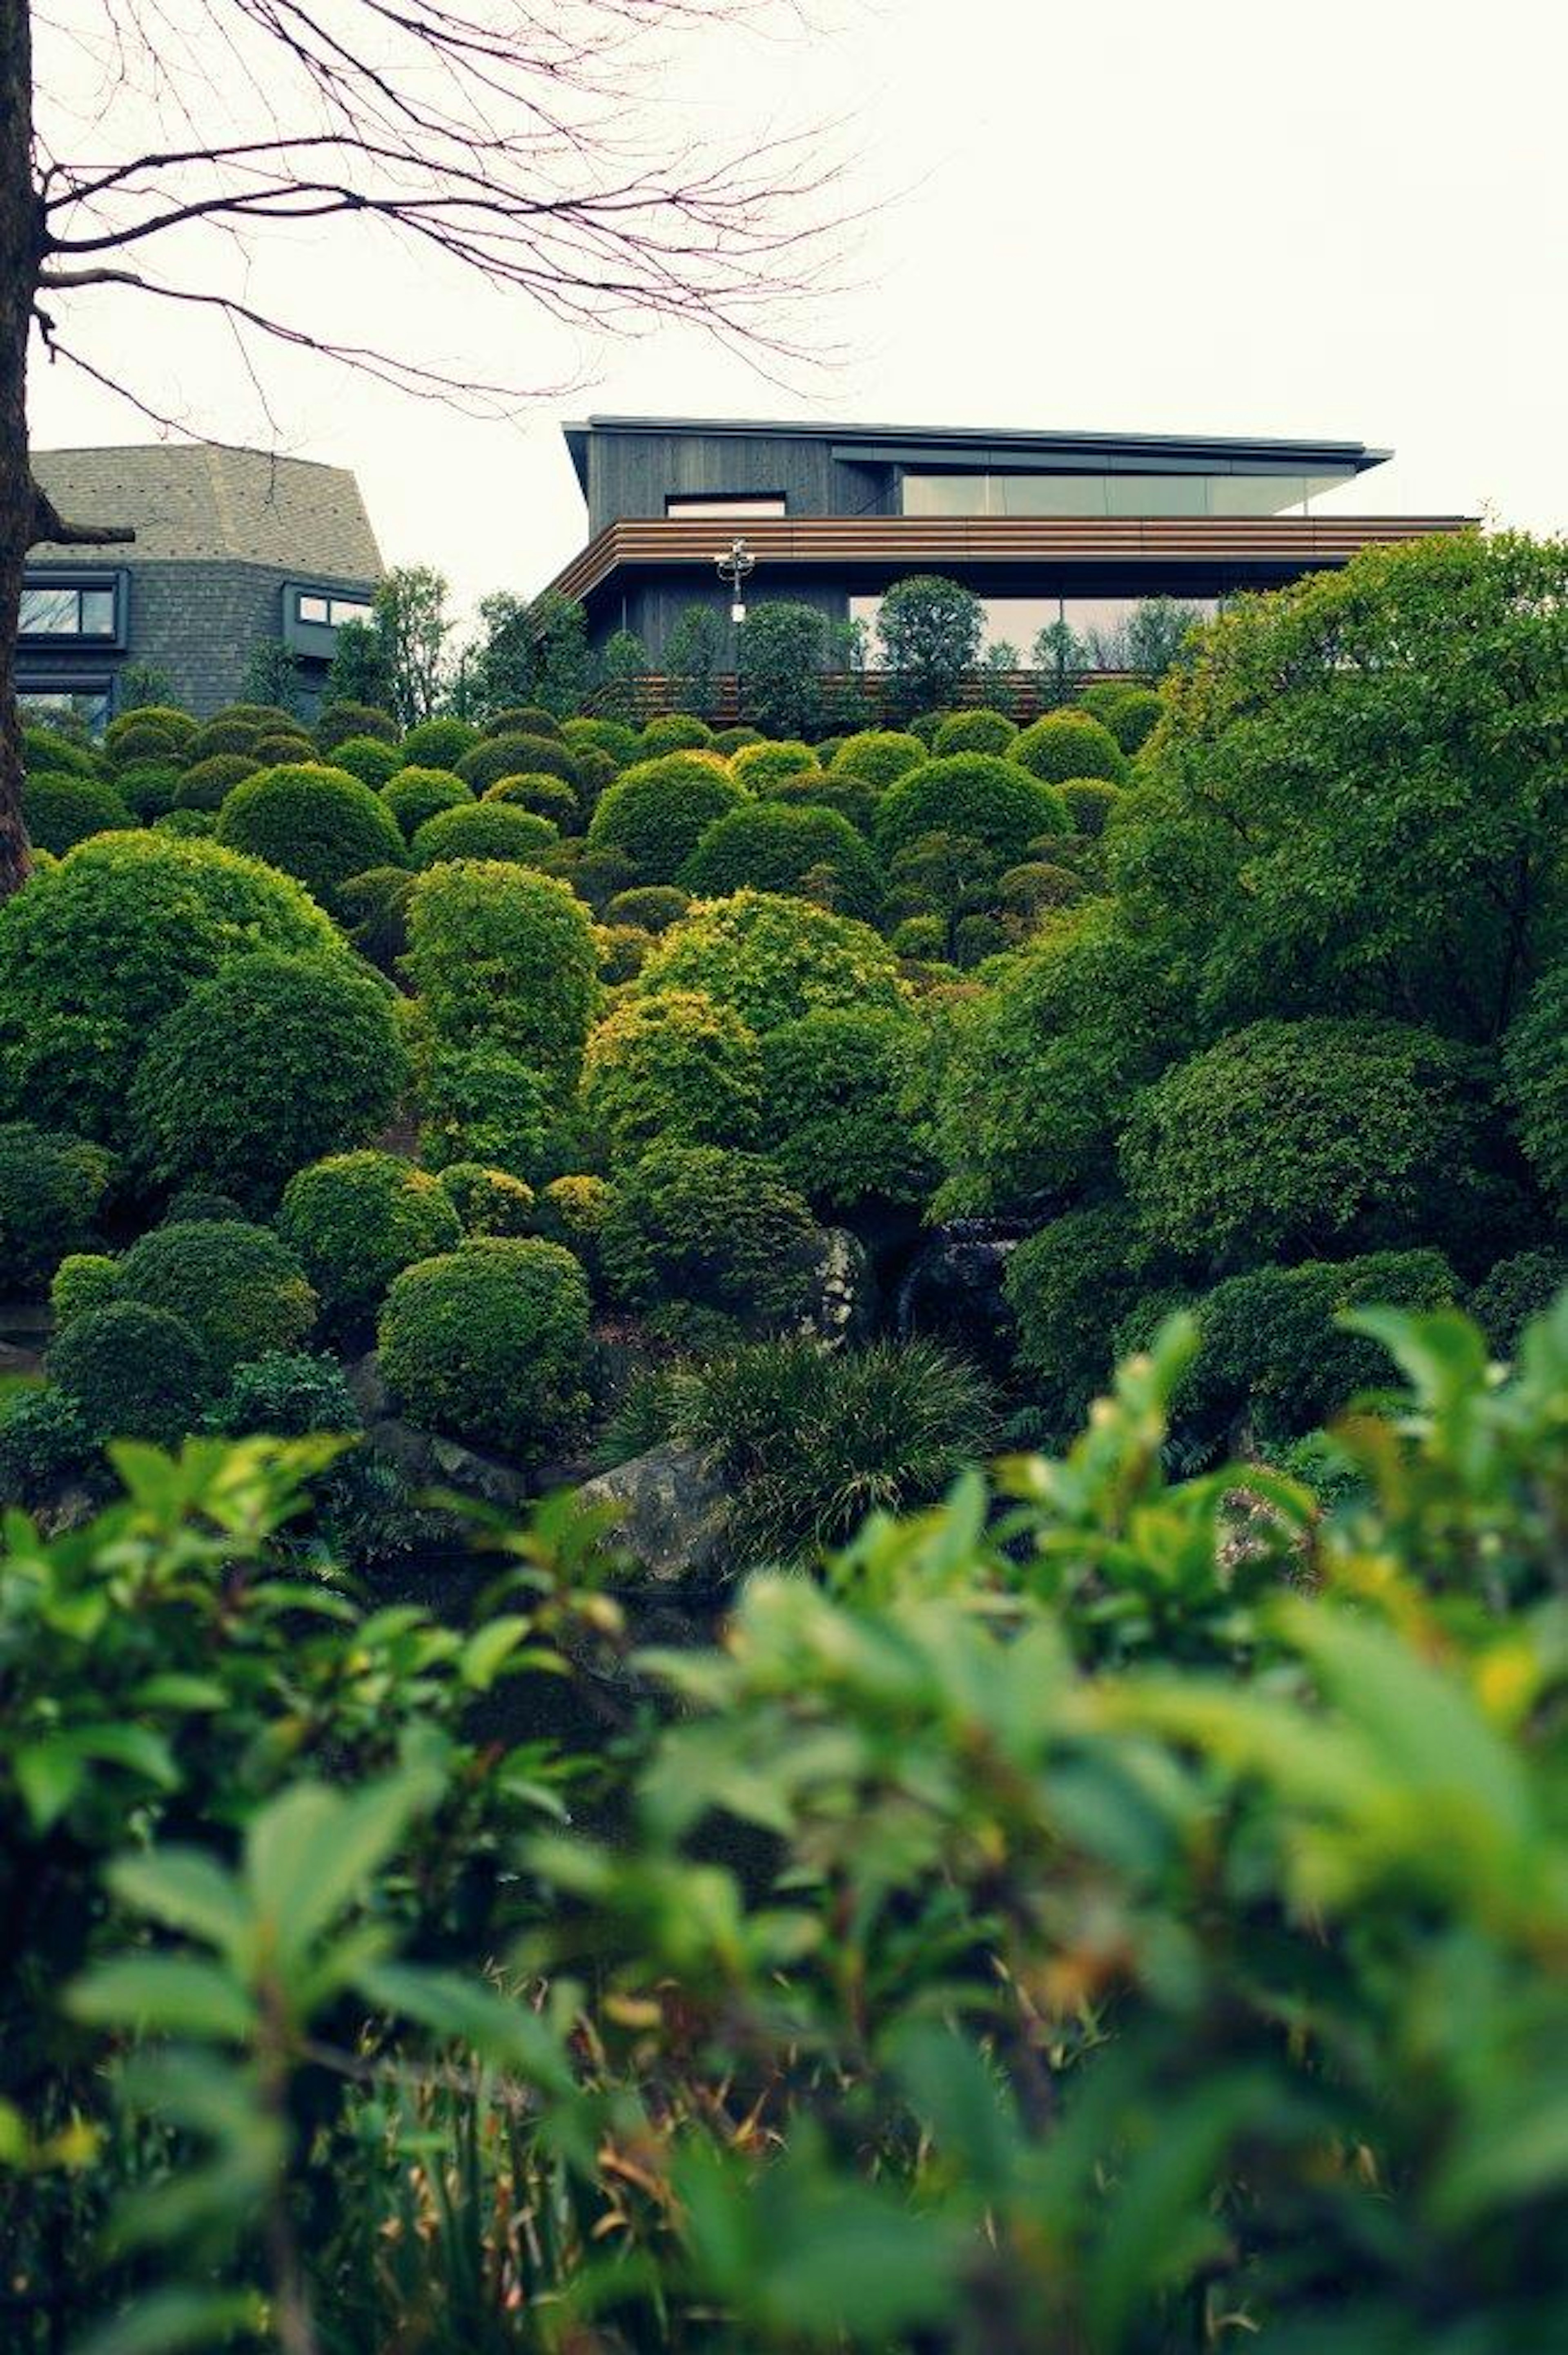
(630, 473)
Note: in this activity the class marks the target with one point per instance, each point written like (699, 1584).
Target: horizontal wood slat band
(916, 541)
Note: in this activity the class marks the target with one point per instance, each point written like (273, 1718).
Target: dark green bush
(1513, 1291)
(879, 756)
(340, 721)
(45, 1443)
(201, 1202)
(923, 727)
(488, 1201)
(517, 756)
(1090, 801)
(207, 785)
(494, 831)
(176, 726)
(573, 1212)
(1069, 744)
(840, 1109)
(279, 752)
(593, 771)
(96, 950)
(239, 1288)
(930, 629)
(675, 1068)
(489, 1343)
(974, 732)
(83, 1279)
(320, 826)
(135, 1371)
(977, 937)
(615, 736)
(355, 1220)
(59, 810)
(774, 959)
(700, 1223)
(1292, 1138)
(596, 875)
(657, 812)
(149, 788)
(622, 951)
(189, 825)
(977, 795)
(374, 911)
(415, 795)
(829, 789)
(1131, 713)
(1068, 1287)
(51, 1188)
(46, 748)
(921, 937)
(812, 1442)
(503, 956)
(1535, 1060)
(522, 719)
(730, 739)
(437, 744)
(481, 1104)
(653, 907)
(288, 1394)
(761, 768)
(1031, 891)
(543, 796)
(369, 758)
(271, 1063)
(673, 731)
(774, 846)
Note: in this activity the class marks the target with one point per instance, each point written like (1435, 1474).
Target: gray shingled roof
(199, 500)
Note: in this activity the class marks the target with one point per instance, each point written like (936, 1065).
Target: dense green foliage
(317, 824)
(773, 959)
(131, 1371)
(1069, 744)
(59, 810)
(52, 1187)
(839, 1087)
(675, 1068)
(778, 847)
(482, 1103)
(355, 1220)
(503, 956)
(488, 1342)
(715, 1228)
(267, 1064)
(974, 732)
(975, 796)
(414, 794)
(930, 629)
(880, 756)
(239, 1288)
(657, 811)
(491, 830)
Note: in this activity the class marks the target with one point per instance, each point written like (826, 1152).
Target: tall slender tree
(513, 147)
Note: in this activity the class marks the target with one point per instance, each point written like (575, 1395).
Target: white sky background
(1344, 220)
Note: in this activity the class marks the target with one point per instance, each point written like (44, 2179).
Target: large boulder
(671, 1513)
(840, 1304)
(427, 1460)
(952, 1290)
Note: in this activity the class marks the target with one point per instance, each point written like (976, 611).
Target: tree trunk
(21, 243)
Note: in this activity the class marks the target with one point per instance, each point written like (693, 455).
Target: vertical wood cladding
(632, 474)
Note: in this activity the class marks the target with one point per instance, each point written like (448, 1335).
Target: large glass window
(87, 703)
(68, 610)
(726, 507)
(324, 612)
(1088, 632)
(1114, 495)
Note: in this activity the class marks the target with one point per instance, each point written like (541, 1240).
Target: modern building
(234, 548)
(1074, 528)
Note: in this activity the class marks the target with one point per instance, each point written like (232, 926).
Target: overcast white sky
(1341, 219)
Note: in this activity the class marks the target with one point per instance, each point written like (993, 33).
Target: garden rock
(673, 1512)
(427, 1459)
(840, 1303)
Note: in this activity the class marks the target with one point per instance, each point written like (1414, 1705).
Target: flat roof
(975, 445)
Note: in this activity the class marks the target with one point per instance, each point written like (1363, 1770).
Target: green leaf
(175, 2318)
(185, 1890)
(498, 2027)
(310, 1852)
(488, 1649)
(174, 1994)
(966, 2104)
(48, 1776)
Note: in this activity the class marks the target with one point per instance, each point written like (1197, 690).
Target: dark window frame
(79, 582)
(775, 506)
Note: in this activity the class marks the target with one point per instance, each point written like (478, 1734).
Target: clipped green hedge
(673, 731)
(675, 1068)
(207, 785)
(357, 1220)
(760, 767)
(488, 1201)
(841, 1108)
(239, 1288)
(516, 755)
(489, 1343)
(1069, 744)
(504, 956)
(657, 812)
(437, 743)
(271, 1062)
(59, 810)
(975, 796)
(974, 732)
(776, 846)
(717, 1227)
(487, 830)
(773, 959)
(369, 758)
(880, 756)
(340, 721)
(481, 1104)
(318, 825)
(415, 795)
(133, 1371)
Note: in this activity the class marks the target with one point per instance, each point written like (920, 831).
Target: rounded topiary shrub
(200, 1202)
(549, 797)
(59, 811)
(437, 743)
(841, 1107)
(673, 731)
(207, 785)
(776, 846)
(239, 1288)
(373, 908)
(718, 1227)
(489, 1343)
(83, 1279)
(829, 789)
(517, 756)
(148, 788)
(657, 812)
(622, 952)
(1090, 801)
(492, 830)
(974, 732)
(189, 825)
(369, 758)
(488, 1201)
(760, 767)
(651, 907)
(143, 738)
(1032, 890)
(1131, 713)
(614, 737)
(522, 719)
(730, 739)
(271, 1063)
(1512, 1291)
(1069, 744)
(225, 733)
(977, 796)
(415, 795)
(275, 751)
(1068, 1286)
(773, 959)
(45, 1441)
(133, 1371)
(573, 1212)
(357, 1220)
(96, 950)
(921, 938)
(481, 1104)
(339, 721)
(45, 747)
(674, 1069)
(317, 825)
(175, 726)
(1295, 1138)
(879, 756)
(505, 957)
(51, 1188)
